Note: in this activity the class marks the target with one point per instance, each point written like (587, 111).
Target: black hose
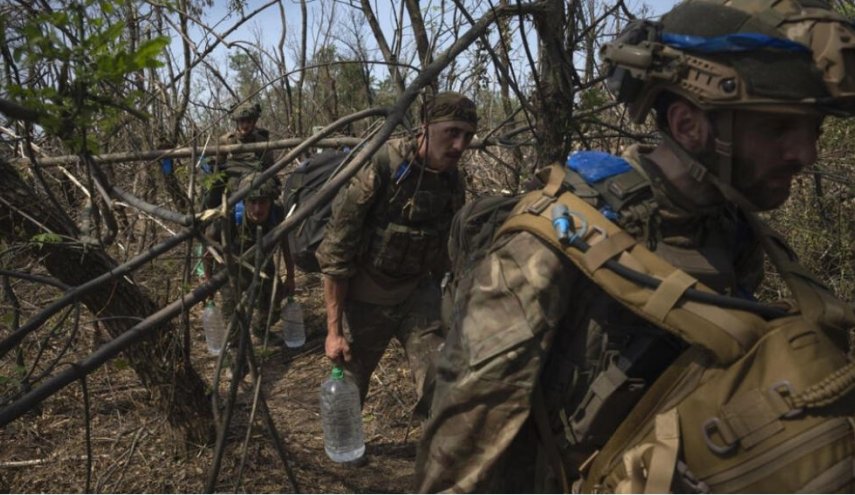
(766, 311)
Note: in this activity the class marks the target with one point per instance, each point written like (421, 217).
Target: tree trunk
(555, 94)
(158, 360)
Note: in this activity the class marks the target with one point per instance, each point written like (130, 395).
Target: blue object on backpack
(239, 207)
(166, 166)
(595, 166)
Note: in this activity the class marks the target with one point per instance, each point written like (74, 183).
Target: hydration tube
(569, 235)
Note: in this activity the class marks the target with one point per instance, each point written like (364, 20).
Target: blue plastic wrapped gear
(595, 166)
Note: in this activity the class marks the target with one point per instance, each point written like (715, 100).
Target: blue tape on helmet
(736, 42)
(595, 166)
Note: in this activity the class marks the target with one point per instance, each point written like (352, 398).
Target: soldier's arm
(491, 361)
(337, 254)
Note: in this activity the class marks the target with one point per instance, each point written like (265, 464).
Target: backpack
(469, 239)
(755, 404)
(305, 181)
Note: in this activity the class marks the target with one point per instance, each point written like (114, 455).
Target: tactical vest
(242, 162)
(626, 348)
(408, 226)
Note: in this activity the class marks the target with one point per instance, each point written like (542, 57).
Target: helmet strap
(723, 128)
(700, 173)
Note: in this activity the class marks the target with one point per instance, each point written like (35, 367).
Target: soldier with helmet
(542, 364)
(236, 164)
(256, 215)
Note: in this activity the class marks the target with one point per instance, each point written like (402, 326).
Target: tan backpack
(756, 405)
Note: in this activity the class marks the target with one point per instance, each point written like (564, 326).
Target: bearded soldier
(542, 363)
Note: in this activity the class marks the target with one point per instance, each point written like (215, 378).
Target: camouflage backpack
(755, 404)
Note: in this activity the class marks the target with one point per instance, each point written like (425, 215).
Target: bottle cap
(337, 373)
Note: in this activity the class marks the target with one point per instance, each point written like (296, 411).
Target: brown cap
(450, 106)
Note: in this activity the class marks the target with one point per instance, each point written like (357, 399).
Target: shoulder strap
(727, 333)
(816, 302)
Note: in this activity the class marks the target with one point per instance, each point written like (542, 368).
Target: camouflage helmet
(829, 35)
(735, 54)
(246, 110)
(266, 190)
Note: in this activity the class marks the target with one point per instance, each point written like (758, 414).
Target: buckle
(540, 204)
(697, 171)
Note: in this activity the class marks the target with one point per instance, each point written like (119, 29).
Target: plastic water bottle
(342, 418)
(293, 329)
(215, 329)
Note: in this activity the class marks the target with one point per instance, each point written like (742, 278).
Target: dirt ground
(134, 450)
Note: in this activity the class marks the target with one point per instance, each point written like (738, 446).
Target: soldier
(384, 246)
(257, 211)
(236, 164)
(537, 349)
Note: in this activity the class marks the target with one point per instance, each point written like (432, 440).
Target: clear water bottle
(215, 329)
(293, 329)
(341, 415)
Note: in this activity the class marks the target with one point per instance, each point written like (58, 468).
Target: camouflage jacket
(243, 237)
(389, 225)
(245, 158)
(532, 318)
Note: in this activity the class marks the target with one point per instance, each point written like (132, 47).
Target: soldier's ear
(688, 125)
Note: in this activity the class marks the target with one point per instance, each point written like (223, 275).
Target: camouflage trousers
(415, 323)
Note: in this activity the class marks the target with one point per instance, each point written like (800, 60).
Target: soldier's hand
(337, 349)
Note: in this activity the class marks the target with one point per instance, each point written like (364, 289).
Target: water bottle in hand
(341, 415)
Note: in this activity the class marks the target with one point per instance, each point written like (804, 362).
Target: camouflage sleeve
(337, 253)
(501, 333)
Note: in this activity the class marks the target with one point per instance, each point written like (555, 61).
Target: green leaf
(46, 238)
(148, 52)
(121, 364)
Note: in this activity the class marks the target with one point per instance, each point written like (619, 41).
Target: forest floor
(135, 450)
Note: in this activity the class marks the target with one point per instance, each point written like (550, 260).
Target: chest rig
(409, 223)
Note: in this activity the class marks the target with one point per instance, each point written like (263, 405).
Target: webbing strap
(663, 460)
(607, 249)
(629, 428)
(668, 293)
(554, 182)
(737, 329)
(682, 319)
(815, 301)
